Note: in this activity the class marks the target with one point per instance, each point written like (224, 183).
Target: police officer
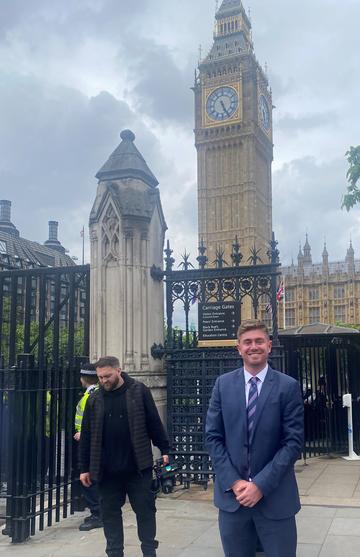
(89, 382)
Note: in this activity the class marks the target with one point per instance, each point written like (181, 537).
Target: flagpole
(284, 299)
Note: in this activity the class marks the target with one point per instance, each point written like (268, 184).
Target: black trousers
(113, 490)
(91, 497)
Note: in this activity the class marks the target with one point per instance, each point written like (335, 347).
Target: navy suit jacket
(276, 444)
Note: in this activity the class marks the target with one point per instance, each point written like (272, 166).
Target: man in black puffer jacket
(120, 422)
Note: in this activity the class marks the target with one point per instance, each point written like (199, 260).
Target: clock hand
(224, 108)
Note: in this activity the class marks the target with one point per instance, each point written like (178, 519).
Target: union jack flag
(280, 292)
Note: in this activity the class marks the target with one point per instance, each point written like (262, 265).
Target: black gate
(191, 374)
(327, 367)
(44, 325)
(193, 369)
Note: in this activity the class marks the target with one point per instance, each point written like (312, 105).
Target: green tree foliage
(348, 325)
(34, 335)
(352, 197)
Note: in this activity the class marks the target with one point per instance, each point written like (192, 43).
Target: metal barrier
(326, 367)
(44, 328)
(192, 369)
(39, 465)
(44, 312)
(191, 374)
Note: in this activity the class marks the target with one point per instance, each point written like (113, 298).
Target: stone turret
(325, 260)
(300, 257)
(350, 260)
(127, 229)
(307, 260)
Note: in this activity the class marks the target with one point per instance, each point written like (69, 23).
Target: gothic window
(290, 317)
(314, 293)
(236, 24)
(290, 295)
(340, 314)
(314, 315)
(339, 292)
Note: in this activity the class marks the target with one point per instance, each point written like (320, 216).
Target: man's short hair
(90, 379)
(252, 325)
(108, 361)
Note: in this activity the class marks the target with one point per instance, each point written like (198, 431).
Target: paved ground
(328, 524)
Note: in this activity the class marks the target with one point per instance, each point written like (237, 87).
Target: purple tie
(251, 407)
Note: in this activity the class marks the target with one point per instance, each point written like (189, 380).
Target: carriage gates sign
(218, 322)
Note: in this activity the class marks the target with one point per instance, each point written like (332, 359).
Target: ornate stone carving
(93, 235)
(110, 235)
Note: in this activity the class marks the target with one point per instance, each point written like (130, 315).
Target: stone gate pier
(127, 230)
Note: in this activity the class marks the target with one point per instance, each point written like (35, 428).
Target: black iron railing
(39, 475)
(255, 283)
(191, 368)
(44, 312)
(44, 326)
(326, 367)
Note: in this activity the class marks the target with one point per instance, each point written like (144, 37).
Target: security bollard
(347, 403)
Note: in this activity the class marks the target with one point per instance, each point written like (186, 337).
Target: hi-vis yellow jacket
(81, 406)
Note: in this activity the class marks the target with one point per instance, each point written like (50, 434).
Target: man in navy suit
(254, 434)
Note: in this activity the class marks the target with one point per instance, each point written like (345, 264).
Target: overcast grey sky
(73, 74)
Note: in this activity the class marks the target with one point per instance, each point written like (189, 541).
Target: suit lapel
(238, 392)
(264, 395)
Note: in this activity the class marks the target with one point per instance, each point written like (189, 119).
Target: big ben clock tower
(233, 137)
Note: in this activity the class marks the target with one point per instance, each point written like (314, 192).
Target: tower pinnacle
(231, 19)
(230, 7)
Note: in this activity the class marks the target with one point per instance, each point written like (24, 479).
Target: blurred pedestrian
(90, 383)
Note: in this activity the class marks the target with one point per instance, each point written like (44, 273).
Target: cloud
(307, 199)
(73, 74)
(297, 124)
(161, 88)
(53, 141)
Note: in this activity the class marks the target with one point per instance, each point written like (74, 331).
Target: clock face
(264, 112)
(222, 103)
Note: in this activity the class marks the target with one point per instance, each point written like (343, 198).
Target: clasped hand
(246, 493)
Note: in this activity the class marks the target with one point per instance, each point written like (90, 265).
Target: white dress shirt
(261, 376)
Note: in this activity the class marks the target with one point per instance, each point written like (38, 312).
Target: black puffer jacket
(144, 423)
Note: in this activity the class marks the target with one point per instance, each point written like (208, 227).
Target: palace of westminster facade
(234, 142)
(325, 292)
